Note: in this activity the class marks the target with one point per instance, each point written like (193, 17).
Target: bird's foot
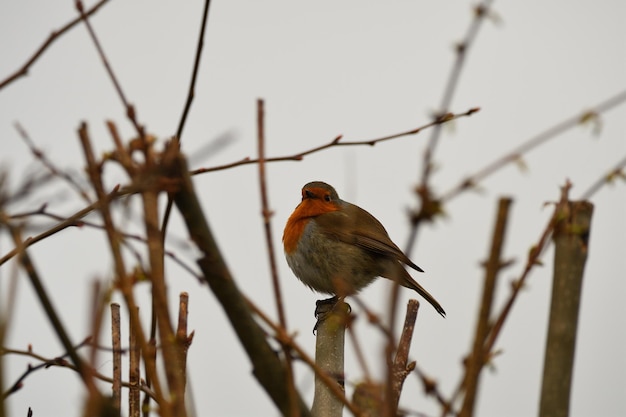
(323, 308)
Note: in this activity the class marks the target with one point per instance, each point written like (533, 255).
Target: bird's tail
(406, 280)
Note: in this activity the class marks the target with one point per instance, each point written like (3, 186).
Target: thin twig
(53, 36)
(493, 266)
(372, 317)
(50, 166)
(423, 190)
(60, 362)
(496, 326)
(116, 342)
(480, 12)
(130, 110)
(533, 260)
(360, 357)
(267, 214)
(190, 96)
(42, 211)
(616, 172)
(194, 76)
(267, 225)
(337, 141)
(431, 388)
(526, 146)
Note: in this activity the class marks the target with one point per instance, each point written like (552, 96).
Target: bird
(338, 248)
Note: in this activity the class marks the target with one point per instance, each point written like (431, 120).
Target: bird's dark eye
(327, 197)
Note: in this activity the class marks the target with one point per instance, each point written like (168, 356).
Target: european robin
(337, 248)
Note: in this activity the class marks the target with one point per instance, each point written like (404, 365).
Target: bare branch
(423, 190)
(50, 166)
(60, 362)
(116, 342)
(130, 110)
(194, 75)
(614, 173)
(53, 36)
(480, 13)
(493, 266)
(401, 367)
(125, 285)
(337, 142)
(266, 214)
(571, 241)
(283, 337)
(528, 145)
(268, 369)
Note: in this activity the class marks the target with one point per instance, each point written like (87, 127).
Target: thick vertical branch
(571, 235)
(329, 357)
(476, 361)
(330, 382)
(268, 369)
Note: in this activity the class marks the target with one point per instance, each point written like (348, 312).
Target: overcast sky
(363, 69)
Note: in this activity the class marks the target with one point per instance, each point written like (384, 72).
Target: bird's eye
(327, 197)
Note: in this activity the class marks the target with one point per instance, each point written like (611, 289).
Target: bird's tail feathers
(406, 280)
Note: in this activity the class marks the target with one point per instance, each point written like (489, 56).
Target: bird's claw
(324, 307)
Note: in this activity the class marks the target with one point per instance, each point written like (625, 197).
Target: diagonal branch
(337, 142)
(423, 190)
(480, 13)
(616, 172)
(130, 110)
(268, 368)
(23, 70)
(194, 75)
(532, 143)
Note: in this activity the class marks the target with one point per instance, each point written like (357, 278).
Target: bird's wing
(362, 229)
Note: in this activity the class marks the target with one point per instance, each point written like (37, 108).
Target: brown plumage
(338, 248)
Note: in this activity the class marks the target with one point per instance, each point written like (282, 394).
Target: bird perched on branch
(337, 248)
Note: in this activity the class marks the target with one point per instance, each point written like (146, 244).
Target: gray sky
(363, 69)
